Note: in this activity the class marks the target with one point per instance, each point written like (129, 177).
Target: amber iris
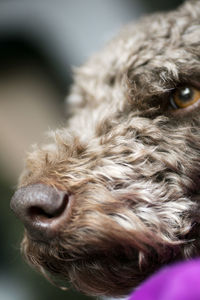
(184, 96)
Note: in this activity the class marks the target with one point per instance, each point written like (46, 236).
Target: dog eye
(184, 97)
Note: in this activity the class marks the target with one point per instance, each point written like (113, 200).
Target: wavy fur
(131, 165)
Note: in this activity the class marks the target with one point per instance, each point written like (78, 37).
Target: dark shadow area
(17, 51)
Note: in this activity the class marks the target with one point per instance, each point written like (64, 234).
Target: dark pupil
(185, 94)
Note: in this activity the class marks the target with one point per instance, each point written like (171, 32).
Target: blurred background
(40, 41)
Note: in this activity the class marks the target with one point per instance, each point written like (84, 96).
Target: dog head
(115, 193)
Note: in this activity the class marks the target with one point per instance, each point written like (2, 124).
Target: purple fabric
(176, 282)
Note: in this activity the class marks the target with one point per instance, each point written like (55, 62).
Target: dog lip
(44, 229)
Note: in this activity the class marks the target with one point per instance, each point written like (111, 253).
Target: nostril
(37, 212)
(42, 213)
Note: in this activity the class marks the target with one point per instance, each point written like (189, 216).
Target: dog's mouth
(91, 268)
(83, 241)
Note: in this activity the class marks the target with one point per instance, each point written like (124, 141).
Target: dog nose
(42, 209)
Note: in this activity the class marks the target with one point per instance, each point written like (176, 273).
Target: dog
(114, 195)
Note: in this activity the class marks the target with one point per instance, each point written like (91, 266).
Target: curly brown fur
(130, 162)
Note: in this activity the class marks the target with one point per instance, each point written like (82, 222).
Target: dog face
(115, 193)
